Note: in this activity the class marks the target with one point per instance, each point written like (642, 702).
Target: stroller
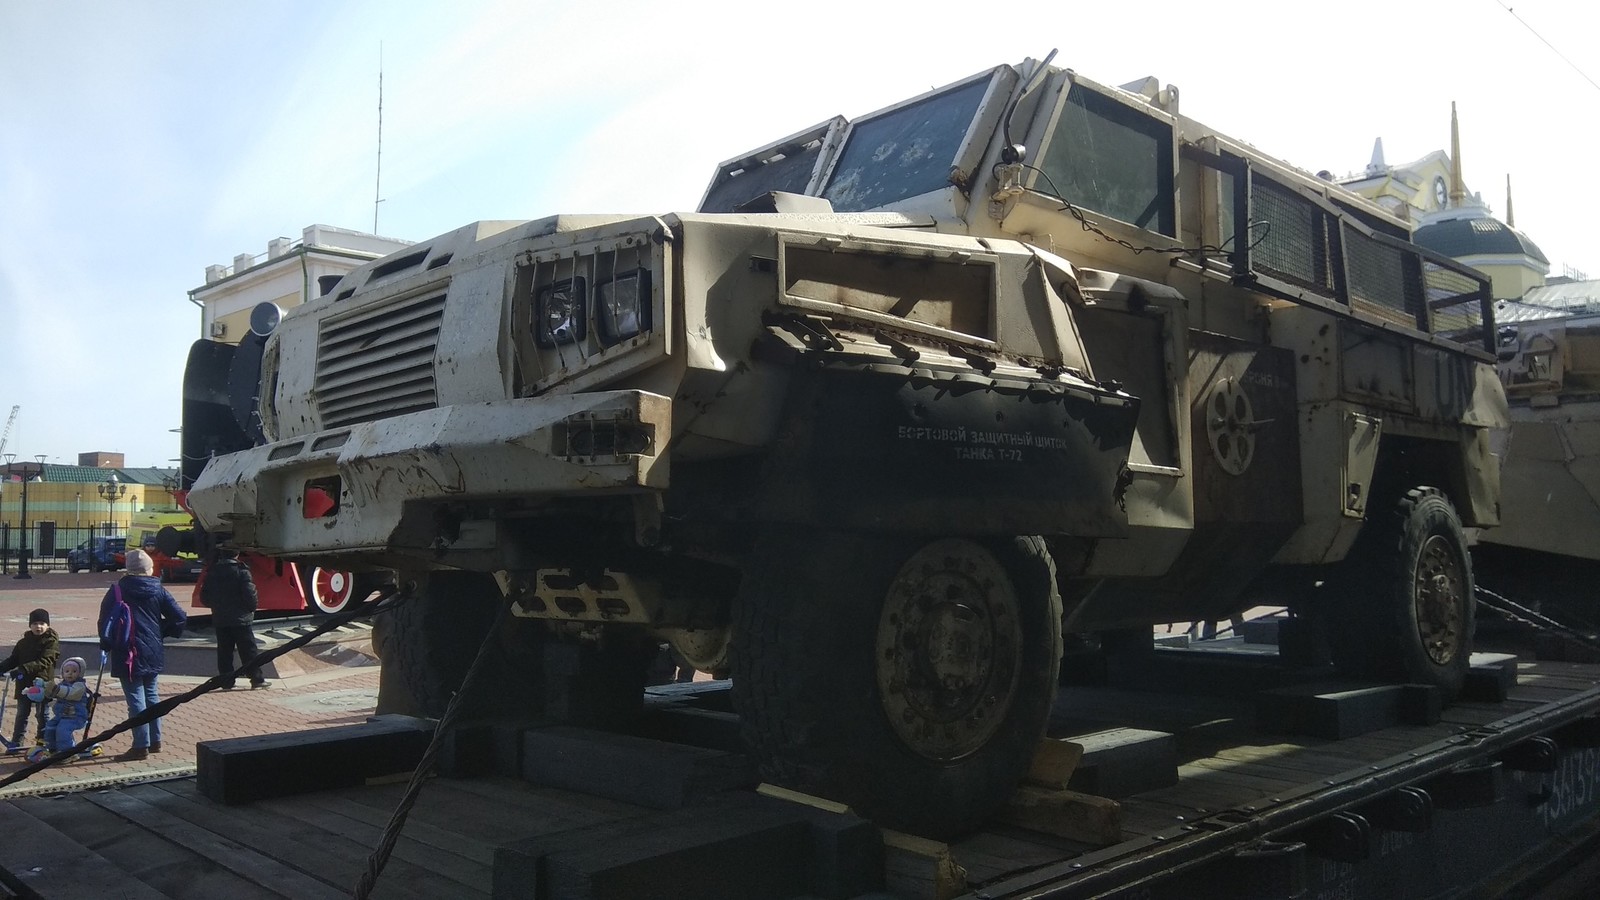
(91, 700)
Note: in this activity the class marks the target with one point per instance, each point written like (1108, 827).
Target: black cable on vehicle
(397, 819)
(1523, 615)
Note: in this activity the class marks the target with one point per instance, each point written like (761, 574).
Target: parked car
(98, 554)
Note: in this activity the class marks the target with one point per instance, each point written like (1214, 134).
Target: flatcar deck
(1211, 802)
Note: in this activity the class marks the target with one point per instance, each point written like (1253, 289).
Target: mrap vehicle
(909, 404)
(1546, 546)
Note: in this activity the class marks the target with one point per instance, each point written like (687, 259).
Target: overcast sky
(142, 141)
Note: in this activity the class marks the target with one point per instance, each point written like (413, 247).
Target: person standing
(34, 656)
(152, 614)
(230, 592)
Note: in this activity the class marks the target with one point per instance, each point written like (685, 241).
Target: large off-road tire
(428, 641)
(1402, 605)
(910, 678)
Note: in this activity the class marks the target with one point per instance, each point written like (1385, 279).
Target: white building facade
(288, 274)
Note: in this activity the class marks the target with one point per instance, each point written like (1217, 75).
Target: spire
(1458, 187)
(1511, 218)
(1377, 166)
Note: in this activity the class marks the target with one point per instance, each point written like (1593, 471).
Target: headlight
(559, 315)
(622, 306)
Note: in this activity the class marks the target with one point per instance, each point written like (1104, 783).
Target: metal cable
(171, 703)
(397, 820)
(1522, 614)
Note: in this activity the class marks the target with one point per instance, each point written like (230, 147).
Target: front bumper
(598, 443)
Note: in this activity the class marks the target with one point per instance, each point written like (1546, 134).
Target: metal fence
(47, 545)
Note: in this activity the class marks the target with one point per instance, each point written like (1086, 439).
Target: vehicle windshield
(905, 151)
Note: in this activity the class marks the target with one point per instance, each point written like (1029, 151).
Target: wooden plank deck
(166, 839)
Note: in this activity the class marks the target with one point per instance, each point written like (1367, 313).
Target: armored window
(907, 150)
(788, 165)
(1108, 157)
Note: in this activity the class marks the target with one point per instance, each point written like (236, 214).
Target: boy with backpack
(33, 657)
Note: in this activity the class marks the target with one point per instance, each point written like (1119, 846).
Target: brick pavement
(315, 688)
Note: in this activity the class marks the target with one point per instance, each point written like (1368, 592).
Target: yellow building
(76, 497)
(1431, 193)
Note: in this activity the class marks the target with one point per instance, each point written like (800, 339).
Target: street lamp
(111, 492)
(29, 470)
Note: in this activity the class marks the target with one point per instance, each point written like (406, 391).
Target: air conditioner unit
(219, 329)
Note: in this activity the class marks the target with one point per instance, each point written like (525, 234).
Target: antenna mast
(377, 187)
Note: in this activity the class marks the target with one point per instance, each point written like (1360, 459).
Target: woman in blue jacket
(154, 615)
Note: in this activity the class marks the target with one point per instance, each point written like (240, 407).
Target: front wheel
(911, 679)
(427, 641)
(1403, 599)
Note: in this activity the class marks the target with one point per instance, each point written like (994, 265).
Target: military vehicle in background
(907, 399)
(1545, 551)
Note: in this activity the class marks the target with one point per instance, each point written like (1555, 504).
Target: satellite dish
(264, 318)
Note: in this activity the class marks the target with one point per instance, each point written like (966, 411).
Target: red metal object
(318, 503)
(277, 584)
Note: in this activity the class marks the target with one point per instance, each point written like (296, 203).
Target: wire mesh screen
(1456, 298)
(1382, 274)
(1295, 245)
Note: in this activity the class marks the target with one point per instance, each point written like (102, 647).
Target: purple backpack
(117, 636)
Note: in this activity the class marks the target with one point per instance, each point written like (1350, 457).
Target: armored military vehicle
(908, 398)
(1545, 552)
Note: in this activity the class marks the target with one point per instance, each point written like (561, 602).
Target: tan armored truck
(908, 398)
(1546, 550)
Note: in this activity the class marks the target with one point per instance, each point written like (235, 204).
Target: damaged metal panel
(1246, 445)
(583, 443)
(878, 449)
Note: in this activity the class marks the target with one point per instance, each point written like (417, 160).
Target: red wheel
(331, 590)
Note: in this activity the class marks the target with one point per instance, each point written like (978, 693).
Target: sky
(142, 141)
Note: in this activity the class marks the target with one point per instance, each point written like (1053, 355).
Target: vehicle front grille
(378, 362)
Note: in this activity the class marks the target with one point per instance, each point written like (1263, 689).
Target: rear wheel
(911, 679)
(1403, 598)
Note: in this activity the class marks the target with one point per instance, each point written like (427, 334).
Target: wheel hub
(331, 589)
(1440, 586)
(948, 649)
